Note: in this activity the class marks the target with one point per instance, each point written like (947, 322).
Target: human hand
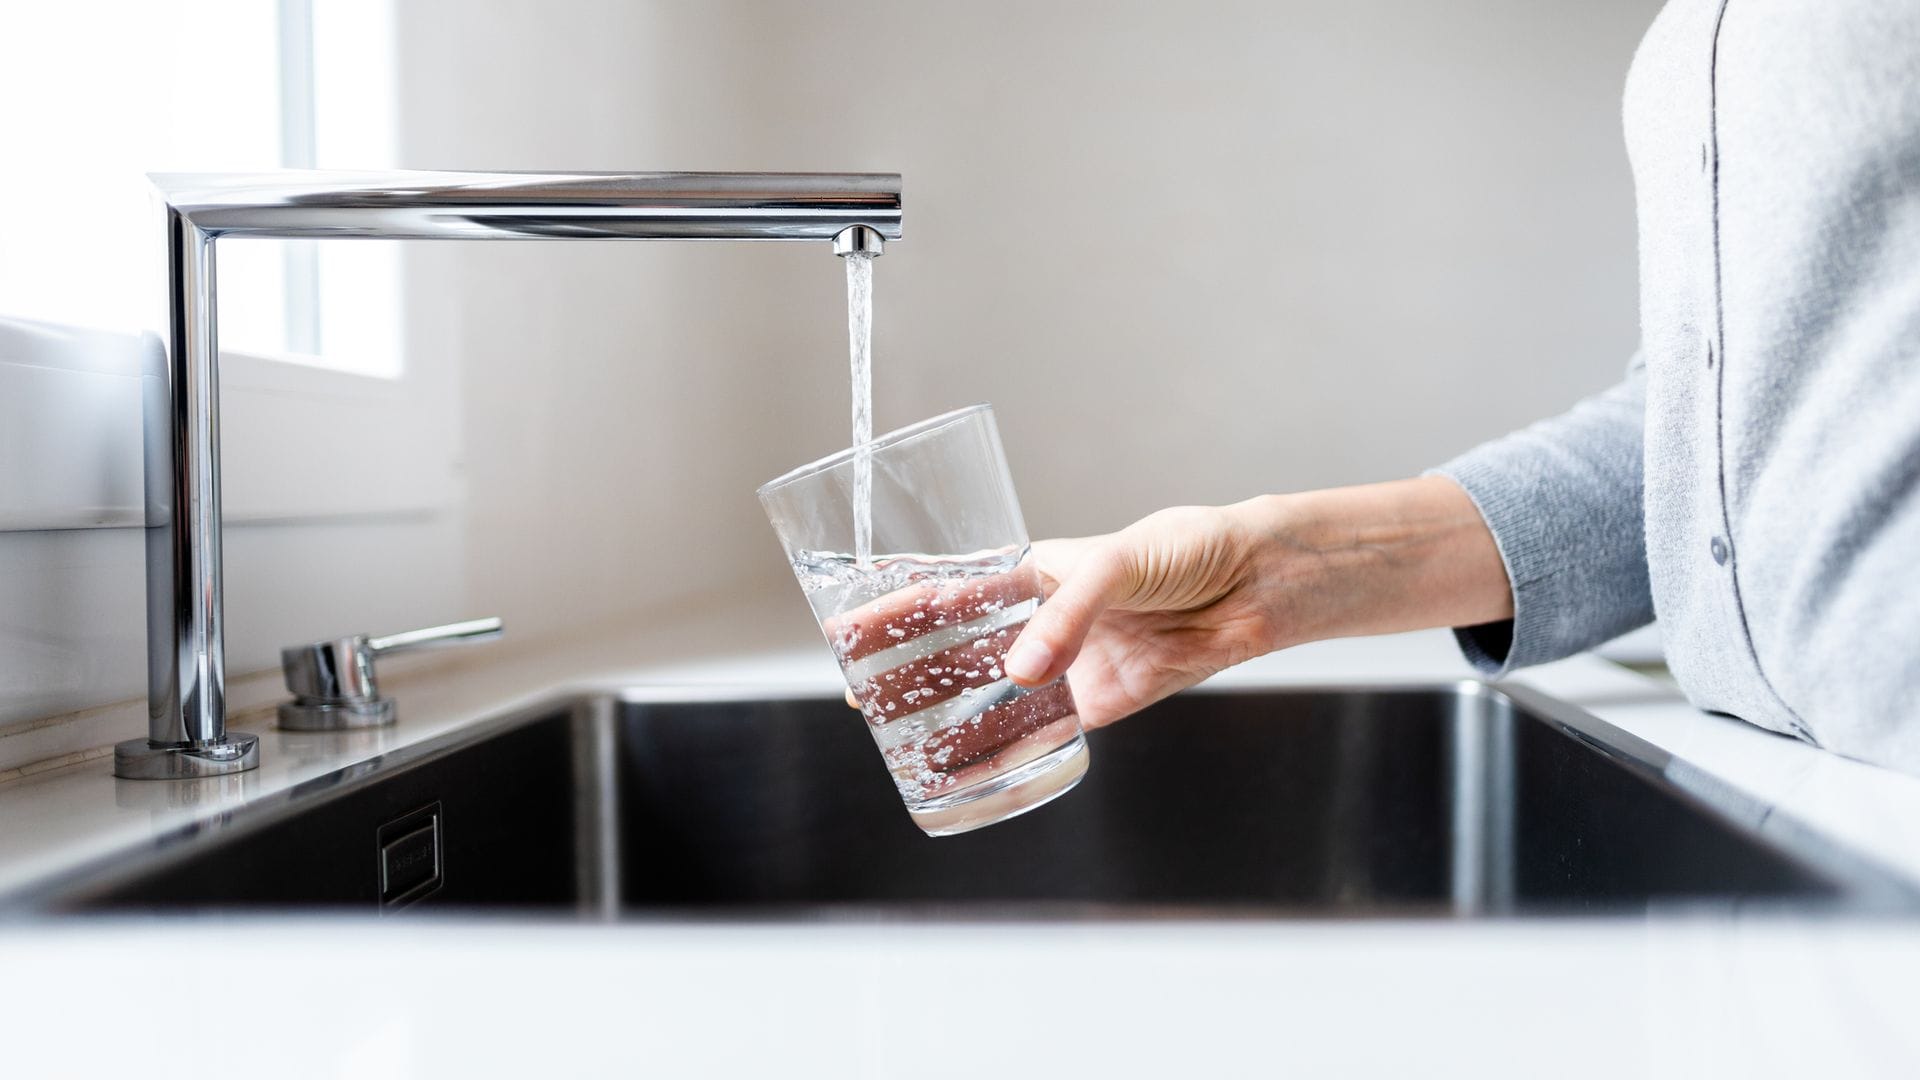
(1136, 615)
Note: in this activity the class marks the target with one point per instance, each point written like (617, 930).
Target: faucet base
(335, 716)
(137, 759)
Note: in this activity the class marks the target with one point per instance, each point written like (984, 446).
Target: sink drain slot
(410, 867)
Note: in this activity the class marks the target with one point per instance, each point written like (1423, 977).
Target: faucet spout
(186, 717)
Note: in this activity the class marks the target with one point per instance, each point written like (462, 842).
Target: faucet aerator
(859, 240)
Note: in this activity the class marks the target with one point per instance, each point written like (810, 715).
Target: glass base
(1033, 784)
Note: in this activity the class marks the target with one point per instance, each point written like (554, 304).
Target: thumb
(1053, 636)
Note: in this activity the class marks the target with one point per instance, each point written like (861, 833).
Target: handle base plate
(333, 716)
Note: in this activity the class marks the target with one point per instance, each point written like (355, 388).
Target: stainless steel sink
(1454, 800)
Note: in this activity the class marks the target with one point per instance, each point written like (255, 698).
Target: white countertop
(1659, 996)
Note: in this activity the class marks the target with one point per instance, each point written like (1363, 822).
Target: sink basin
(1456, 800)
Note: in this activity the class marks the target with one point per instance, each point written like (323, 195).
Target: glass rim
(890, 439)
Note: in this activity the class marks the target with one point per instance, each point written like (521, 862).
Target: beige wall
(1190, 252)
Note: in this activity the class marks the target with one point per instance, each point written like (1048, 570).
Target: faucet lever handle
(451, 634)
(332, 682)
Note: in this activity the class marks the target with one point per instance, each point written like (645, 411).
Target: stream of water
(860, 353)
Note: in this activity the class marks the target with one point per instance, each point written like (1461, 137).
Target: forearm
(1372, 559)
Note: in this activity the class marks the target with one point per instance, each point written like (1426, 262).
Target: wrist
(1302, 557)
(1377, 558)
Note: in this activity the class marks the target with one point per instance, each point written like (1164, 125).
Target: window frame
(300, 441)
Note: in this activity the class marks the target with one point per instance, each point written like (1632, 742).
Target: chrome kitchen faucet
(187, 734)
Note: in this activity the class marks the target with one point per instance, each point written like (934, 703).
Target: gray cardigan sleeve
(1563, 500)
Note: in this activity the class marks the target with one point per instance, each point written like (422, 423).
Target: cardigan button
(1718, 549)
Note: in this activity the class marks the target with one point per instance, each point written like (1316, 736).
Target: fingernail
(1028, 661)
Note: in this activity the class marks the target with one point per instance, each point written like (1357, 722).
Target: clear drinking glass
(920, 628)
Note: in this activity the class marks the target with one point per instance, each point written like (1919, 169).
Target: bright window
(101, 92)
